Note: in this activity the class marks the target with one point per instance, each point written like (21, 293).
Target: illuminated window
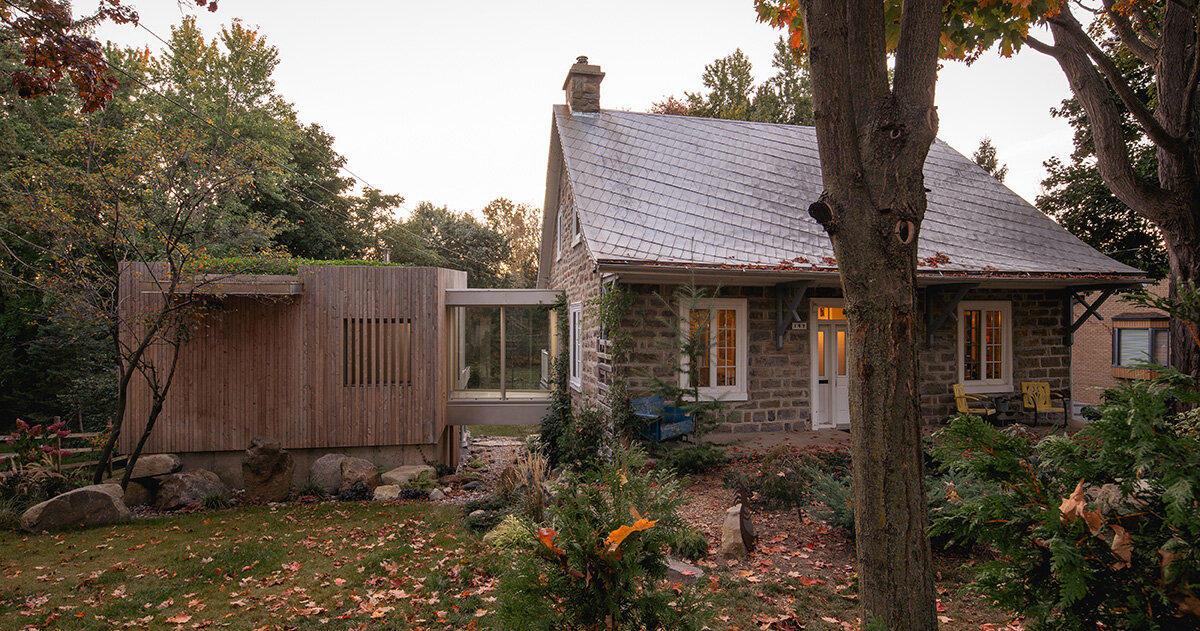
(985, 345)
(831, 313)
(717, 338)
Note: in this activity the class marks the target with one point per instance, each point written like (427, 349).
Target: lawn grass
(326, 566)
(350, 565)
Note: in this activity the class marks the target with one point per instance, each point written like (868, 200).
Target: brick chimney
(583, 86)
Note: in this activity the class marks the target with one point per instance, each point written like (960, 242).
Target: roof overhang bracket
(1070, 322)
(935, 318)
(787, 300)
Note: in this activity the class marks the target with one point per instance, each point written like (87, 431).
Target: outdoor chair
(1037, 396)
(975, 404)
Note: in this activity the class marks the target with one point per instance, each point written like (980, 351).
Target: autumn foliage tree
(1165, 36)
(873, 137)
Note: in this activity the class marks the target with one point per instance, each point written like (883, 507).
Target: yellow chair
(963, 403)
(1037, 396)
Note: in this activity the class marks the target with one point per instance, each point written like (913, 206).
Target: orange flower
(620, 534)
(546, 536)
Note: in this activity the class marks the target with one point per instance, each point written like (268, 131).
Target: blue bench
(661, 421)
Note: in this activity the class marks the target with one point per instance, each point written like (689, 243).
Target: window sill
(975, 387)
(576, 385)
(724, 396)
(576, 239)
(1122, 372)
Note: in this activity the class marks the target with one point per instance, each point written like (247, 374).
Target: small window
(576, 346)
(718, 329)
(1135, 346)
(375, 351)
(985, 346)
(558, 238)
(576, 232)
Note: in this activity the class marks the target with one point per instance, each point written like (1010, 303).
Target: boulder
(138, 494)
(356, 470)
(87, 506)
(683, 573)
(267, 470)
(401, 475)
(153, 465)
(387, 492)
(436, 495)
(188, 487)
(327, 471)
(473, 485)
(737, 533)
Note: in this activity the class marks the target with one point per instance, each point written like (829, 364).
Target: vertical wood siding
(280, 366)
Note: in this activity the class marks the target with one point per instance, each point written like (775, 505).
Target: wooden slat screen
(376, 351)
(357, 359)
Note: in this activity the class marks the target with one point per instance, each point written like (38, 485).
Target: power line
(240, 143)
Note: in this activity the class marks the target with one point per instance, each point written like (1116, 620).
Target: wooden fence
(341, 356)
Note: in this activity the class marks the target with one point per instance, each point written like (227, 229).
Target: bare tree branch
(1145, 118)
(1145, 50)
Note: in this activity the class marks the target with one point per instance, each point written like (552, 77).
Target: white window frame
(738, 391)
(575, 344)
(1005, 383)
(558, 236)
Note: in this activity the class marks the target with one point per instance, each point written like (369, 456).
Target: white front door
(831, 386)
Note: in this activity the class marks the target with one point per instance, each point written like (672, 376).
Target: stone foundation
(228, 464)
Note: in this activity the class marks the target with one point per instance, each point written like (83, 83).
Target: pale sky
(450, 102)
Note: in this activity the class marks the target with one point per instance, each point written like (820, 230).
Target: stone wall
(1039, 351)
(574, 272)
(779, 381)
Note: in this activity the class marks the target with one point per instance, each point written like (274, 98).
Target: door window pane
(821, 354)
(841, 352)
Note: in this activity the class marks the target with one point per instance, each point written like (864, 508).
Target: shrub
(423, 480)
(783, 479)
(1101, 529)
(689, 544)
(697, 458)
(602, 561)
(511, 534)
(35, 445)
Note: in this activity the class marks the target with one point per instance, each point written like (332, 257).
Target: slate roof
(655, 188)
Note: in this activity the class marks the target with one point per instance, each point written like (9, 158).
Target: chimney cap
(582, 67)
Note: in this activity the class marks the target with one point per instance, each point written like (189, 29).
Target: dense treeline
(196, 157)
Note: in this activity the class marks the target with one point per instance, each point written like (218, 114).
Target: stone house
(1106, 347)
(653, 202)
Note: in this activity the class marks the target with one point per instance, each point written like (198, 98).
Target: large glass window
(717, 334)
(501, 352)
(985, 345)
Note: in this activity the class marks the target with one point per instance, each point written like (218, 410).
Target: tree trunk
(873, 139)
(1172, 203)
(1184, 255)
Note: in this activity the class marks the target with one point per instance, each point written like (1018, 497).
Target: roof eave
(656, 272)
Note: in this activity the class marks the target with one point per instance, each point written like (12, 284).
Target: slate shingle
(655, 187)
